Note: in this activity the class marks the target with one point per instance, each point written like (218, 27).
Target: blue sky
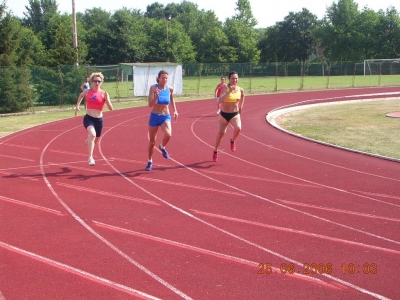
(265, 13)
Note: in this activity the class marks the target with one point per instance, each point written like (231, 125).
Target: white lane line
(109, 194)
(76, 271)
(209, 252)
(285, 229)
(184, 212)
(96, 234)
(30, 205)
(280, 204)
(342, 211)
(319, 161)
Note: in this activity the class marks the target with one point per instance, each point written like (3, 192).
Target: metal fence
(60, 85)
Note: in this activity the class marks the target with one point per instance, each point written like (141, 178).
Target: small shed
(144, 76)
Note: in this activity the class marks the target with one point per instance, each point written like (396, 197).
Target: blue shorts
(97, 123)
(157, 119)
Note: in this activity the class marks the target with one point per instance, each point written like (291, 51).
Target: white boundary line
(273, 114)
(184, 212)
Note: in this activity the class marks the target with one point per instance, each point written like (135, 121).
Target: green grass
(203, 87)
(42, 115)
(362, 126)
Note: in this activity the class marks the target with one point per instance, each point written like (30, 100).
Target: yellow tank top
(233, 97)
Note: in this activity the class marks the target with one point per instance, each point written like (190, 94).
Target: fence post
(26, 82)
(301, 75)
(117, 85)
(329, 73)
(61, 87)
(250, 80)
(199, 71)
(276, 77)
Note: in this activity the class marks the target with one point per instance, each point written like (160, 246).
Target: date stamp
(318, 268)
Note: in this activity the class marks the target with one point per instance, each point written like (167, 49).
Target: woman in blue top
(160, 96)
(85, 86)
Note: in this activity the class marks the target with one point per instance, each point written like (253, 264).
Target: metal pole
(75, 35)
(167, 21)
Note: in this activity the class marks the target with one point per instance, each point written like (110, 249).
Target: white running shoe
(218, 111)
(91, 162)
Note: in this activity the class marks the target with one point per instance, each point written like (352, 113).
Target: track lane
(205, 195)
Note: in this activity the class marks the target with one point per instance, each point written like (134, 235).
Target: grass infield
(361, 126)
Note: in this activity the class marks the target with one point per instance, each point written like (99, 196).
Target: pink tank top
(95, 100)
(219, 88)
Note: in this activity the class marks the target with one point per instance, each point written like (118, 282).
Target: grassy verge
(42, 115)
(45, 114)
(204, 86)
(361, 126)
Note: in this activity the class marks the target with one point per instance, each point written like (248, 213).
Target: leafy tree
(127, 37)
(180, 48)
(30, 50)
(215, 49)
(14, 87)
(94, 17)
(59, 35)
(206, 33)
(176, 48)
(269, 44)
(244, 14)
(242, 35)
(388, 39)
(189, 16)
(9, 35)
(38, 14)
(155, 11)
(367, 35)
(342, 29)
(295, 41)
(97, 25)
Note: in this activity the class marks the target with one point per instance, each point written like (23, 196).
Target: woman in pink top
(218, 90)
(93, 120)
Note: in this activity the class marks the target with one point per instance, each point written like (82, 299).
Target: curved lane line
(184, 212)
(92, 231)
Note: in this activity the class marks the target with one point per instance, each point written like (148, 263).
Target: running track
(192, 228)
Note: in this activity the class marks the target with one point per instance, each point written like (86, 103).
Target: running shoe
(218, 111)
(233, 146)
(91, 162)
(149, 166)
(164, 152)
(215, 156)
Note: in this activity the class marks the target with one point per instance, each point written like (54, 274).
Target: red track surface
(192, 228)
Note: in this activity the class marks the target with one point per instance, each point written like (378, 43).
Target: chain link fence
(60, 86)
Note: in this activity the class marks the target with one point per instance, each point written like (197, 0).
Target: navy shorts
(97, 123)
(157, 119)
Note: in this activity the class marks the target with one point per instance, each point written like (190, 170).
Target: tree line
(183, 33)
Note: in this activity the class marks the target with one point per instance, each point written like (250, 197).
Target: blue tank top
(164, 96)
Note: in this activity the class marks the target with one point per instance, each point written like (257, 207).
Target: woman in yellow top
(232, 100)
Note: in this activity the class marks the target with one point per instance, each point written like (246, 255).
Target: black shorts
(228, 116)
(97, 123)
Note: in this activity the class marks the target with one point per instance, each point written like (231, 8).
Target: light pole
(75, 35)
(167, 19)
